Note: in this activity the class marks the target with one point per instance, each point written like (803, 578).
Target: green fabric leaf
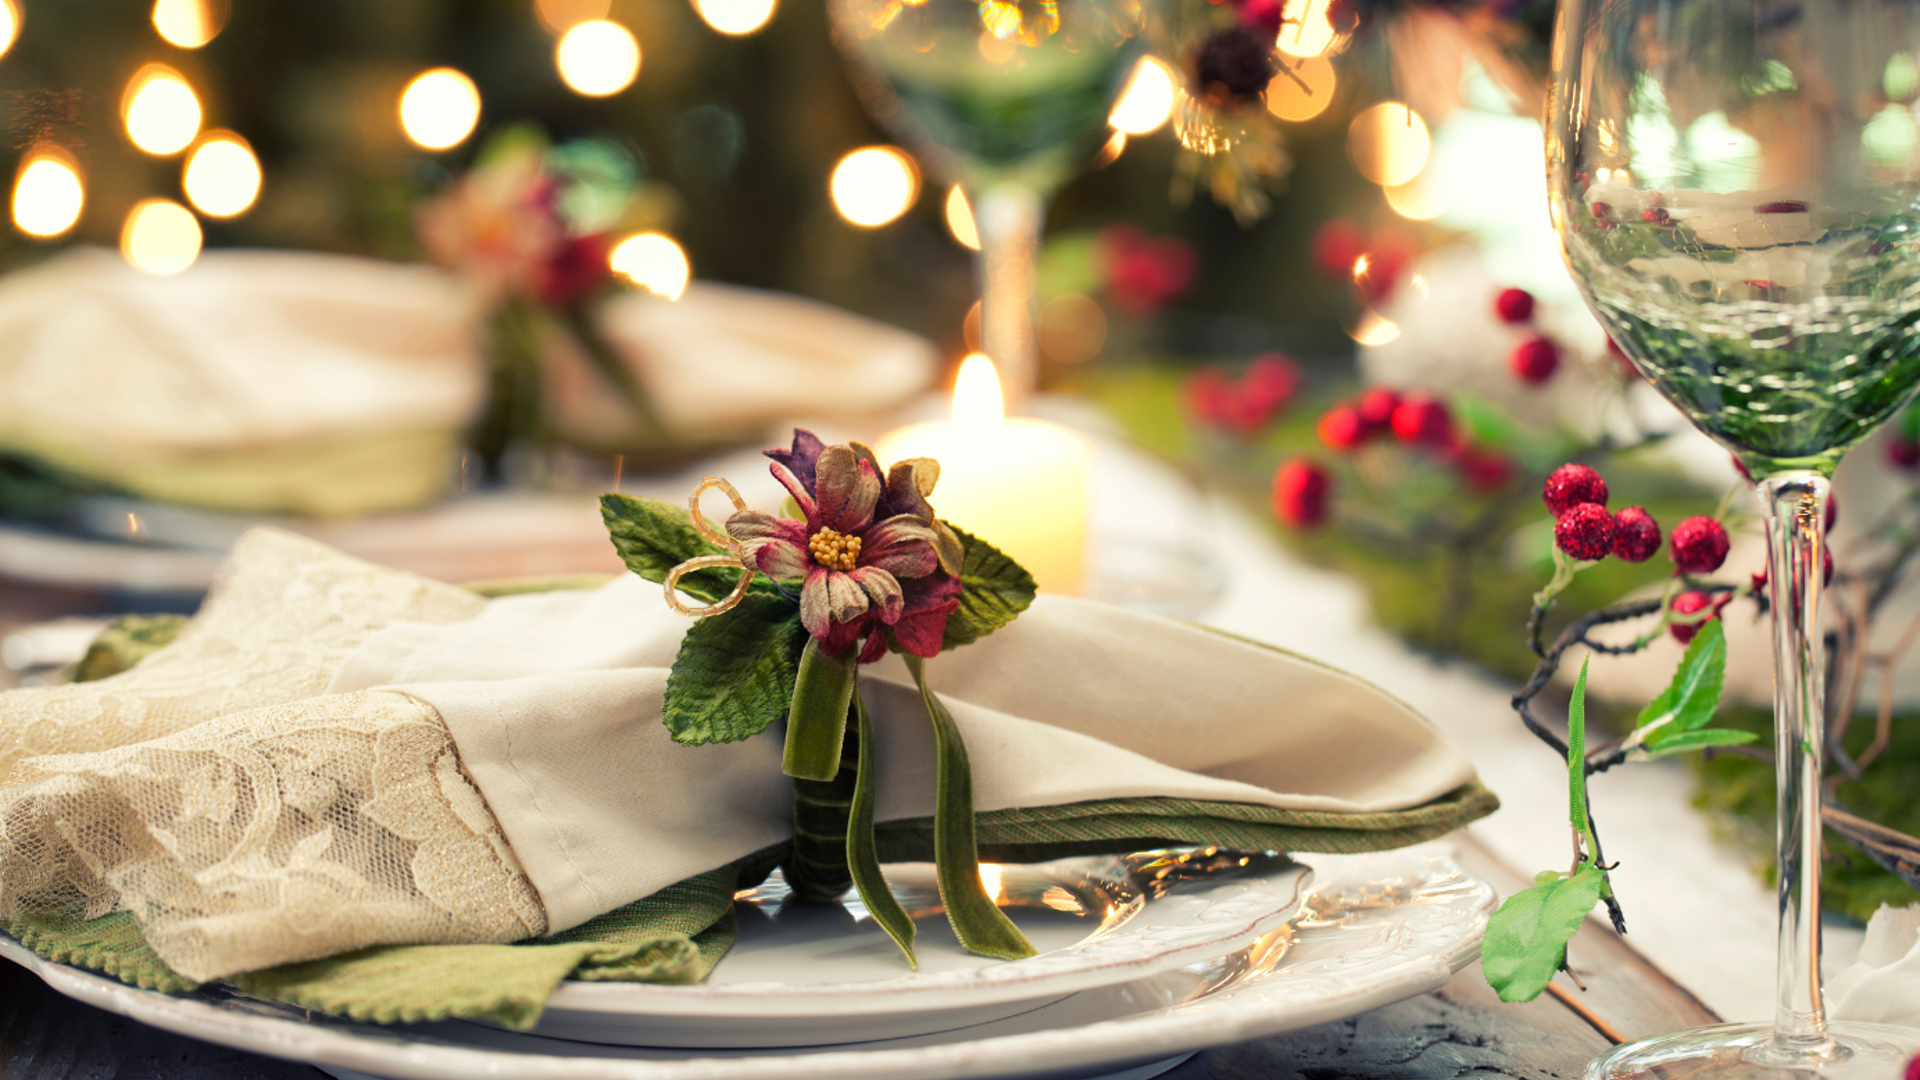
(863, 857)
(1527, 938)
(979, 924)
(653, 537)
(1690, 699)
(1577, 752)
(1700, 740)
(997, 591)
(735, 673)
(817, 721)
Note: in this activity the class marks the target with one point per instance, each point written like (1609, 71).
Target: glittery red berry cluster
(1583, 529)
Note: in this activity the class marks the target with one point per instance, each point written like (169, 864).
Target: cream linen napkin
(508, 776)
(1882, 985)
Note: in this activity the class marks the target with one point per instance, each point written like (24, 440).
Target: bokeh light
(1072, 329)
(1305, 95)
(161, 110)
(735, 17)
(160, 237)
(1419, 199)
(875, 185)
(1389, 143)
(597, 58)
(188, 24)
(222, 178)
(439, 108)
(558, 15)
(47, 195)
(960, 219)
(9, 25)
(654, 262)
(1148, 100)
(1374, 329)
(1308, 33)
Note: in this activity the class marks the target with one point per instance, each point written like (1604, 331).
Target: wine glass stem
(1796, 516)
(1009, 223)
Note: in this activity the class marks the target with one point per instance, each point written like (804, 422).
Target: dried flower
(1233, 67)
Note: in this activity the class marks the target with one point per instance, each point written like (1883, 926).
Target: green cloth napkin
(678, 934)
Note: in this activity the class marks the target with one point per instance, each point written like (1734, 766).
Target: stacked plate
(1144, 959)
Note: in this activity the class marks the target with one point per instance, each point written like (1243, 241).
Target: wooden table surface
(1459, 1030)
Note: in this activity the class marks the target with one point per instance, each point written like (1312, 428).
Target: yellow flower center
(834, 550)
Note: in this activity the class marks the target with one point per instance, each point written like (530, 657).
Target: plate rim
(1012, 981)
(1231, 1016)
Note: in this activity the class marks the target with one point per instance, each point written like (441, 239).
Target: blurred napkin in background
(266, 381)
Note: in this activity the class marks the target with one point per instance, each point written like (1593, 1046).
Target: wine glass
(1006, 98)
(1736, 184)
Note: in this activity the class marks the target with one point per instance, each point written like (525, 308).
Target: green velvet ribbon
(826, 857)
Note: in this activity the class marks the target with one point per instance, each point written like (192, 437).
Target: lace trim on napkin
(283, 617)
(280, 834)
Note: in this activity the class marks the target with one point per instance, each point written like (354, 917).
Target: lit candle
(1018, 484)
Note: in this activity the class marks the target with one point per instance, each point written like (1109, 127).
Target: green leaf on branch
(1700, 740)
(1577, 754)
(1690, 699)
(997, 590)
(735, 672)
(653, 537)
(1527, 938)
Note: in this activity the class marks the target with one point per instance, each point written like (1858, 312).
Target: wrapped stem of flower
(866, 569)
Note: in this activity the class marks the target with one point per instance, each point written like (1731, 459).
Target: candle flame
(976, 393)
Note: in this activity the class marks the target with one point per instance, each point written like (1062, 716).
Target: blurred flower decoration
(530, 228)
(1227, 52)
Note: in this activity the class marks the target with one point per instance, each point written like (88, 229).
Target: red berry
(1300, 490)
(1419, 418)
(1913, 1068)
(1833, 511)
(1535, 361)
(1689, 603)
(1337, 246)
(1260, 15)
(1585, 532)
(1602, 210)
(1572, 484)
(1760, 581)
(1514, 306)
(1826, 566)
(1376, 407)
(1636, 536)
(1699, 545)
(1483, 469)
(1658, 215)
(1343, 428)
(1903, 453)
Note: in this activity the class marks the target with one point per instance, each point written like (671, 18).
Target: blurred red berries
(1513, 306)
(1636, 536)
(1534, 361)
(1143, 272)
(1699, 545)
(1903, 452)
(1260, 15)
(1248, 404)
(1572, 485)
(1343, 428)
(1376, 407)
(1690, 603)
(1300, 490)
(1585, 532)
(1337, 246)
(1422, 419)
(1483, 469)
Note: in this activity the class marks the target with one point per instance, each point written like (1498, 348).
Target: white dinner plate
(819, 974)
(1374, 929)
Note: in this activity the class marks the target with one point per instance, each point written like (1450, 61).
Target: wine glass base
(1746, 1052)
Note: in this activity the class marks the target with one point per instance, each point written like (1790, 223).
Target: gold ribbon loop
(700, 522)
(708, 562)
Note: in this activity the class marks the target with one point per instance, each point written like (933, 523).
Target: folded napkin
(278, 381)
(504, 777)
(1882, 985)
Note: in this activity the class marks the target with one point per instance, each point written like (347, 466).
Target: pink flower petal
(846, 600)
(884, 590)
(923, 632)
(794, 487)
(846, 489)
(815, 613)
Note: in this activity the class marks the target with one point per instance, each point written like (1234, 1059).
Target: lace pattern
(284, 615)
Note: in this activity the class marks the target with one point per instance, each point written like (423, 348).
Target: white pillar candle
(1019, 484)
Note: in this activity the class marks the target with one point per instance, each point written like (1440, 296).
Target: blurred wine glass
(1007, 98)
(1736, 184)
